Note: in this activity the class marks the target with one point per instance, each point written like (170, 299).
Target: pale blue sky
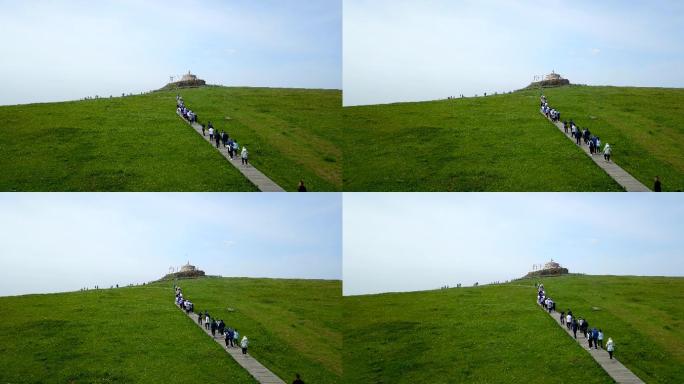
(418, 241)
(410, 50)
(59, 242)
(65, 50)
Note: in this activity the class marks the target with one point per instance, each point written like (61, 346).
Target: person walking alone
(657, 187)
(607, 151)
(243, 344)
(610, 347)
(245, 156)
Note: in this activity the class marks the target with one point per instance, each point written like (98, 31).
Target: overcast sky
(65, 50)
(409, 50)
(419, 241)
(59, 242)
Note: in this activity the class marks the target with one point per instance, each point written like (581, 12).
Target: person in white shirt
(211, 133)
(607, 151)
(243, 344)
(245, 156)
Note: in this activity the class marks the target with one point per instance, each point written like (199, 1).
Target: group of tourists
(222, 138)
(230, 335)
(594, 336)
(187, 114)
(581, 135)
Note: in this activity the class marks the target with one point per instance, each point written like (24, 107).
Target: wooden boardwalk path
(614, 368)
(627, 181)
(262, 182)
(259, 372)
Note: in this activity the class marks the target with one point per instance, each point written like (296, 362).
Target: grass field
(497, 334)
(643, 315)
(136, 334)
(502, 143)
(291, 134)
(137, 143)
(294, 326)
(645, 127)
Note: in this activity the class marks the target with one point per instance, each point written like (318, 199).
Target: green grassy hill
(645, 127)
(498, 334)
(502, 143)
(137, 335)
(137, 143)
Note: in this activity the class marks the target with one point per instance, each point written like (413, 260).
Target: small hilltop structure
(188, 80)
(553, 79)
(186, 271)
(550, 268)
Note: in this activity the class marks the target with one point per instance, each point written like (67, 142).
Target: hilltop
(138, 143)
(136, 334)
(497, 333)
(502, 143)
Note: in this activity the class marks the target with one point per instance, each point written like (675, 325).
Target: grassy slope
(645, 127)
(291, 134)
(127, 335)
(134, 143)
(643, 315)
(492, 334)
(137, 143)
(293, 325)
(501, 143)
(497, 333)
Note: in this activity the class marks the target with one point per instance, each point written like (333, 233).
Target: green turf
(497, 334)
(291, 134)
(137, 143)
(645, 127)
(137, 335)
(294, 326)
(126, 335)
(502, 143)
(643, 315)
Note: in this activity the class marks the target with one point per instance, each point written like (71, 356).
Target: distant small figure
(211, 132)
(302, 187)
(562, 318)
(600, 338)
(203, 130)
(610, 347)
(297, 380)
(656, 185)
(217, 138)
(243, 344)
(245, 156)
